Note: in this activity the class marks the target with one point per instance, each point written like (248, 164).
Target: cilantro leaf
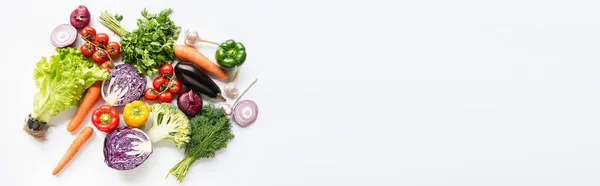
(151, 45)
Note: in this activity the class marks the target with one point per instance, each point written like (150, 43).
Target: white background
(375, 92)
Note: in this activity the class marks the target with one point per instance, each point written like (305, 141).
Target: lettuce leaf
(62, 80)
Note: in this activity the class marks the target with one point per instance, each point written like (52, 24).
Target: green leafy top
(151, 45)
(118, 17)
(211, 131)
(62, 79)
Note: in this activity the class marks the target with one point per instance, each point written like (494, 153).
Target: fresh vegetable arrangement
(149, 46)
(61, 79)
(118, 72)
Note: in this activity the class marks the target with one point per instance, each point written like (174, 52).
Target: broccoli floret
(170, 124)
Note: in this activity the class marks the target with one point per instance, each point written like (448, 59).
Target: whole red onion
(80, 17)
(189, 103)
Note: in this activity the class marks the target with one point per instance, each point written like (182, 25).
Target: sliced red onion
(245, 113)
(63, 35)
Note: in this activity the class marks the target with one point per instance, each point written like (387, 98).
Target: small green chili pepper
(231, 54)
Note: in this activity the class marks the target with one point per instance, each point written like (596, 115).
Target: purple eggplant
(196, 79)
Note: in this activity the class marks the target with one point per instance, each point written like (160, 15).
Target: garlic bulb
(231, 90)
(191, 37)
(228, 109)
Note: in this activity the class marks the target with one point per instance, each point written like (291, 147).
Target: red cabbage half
(126, 148)
(124, 85)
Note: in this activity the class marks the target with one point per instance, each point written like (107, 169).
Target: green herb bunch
(149, 46)
(210, 132)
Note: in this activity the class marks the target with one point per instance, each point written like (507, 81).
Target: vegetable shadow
(63, 117)
(137, 174)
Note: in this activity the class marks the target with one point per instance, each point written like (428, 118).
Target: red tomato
(113, 49)
(150, 94)
(107, 65)
(87, 49)
(99, 57)
(175, 87)
(101, 40)
(165, 97)
(89, 33)
(159, 82)
(166, 69)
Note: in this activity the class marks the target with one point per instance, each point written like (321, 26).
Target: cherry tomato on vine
(166, 69)
(150, 94)
(101, 40)
(87, 49)
(107, 65)
(113, 49)
(159, 82)
(165, 97)
(99, 57)
(89, 33)
(175, 87)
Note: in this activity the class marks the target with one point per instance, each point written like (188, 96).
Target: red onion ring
(63, 35)
(245, 113)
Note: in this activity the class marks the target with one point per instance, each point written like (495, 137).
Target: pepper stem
(207, 41)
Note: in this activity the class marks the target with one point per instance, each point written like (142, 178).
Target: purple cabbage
(189, 103)
(124, 85)
(126, 148)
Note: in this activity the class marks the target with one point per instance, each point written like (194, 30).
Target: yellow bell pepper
(136, 113)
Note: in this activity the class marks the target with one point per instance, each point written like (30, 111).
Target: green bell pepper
(231, 54)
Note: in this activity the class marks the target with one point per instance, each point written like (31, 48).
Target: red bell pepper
(105, 118)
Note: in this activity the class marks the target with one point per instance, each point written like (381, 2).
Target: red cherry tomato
(107, 65)
(99, 57)
(159, 82)
(87, 49)
(89, 33)
(150, 94)
(175, 87)
(101, 40)
(165, 97)
(166, 69)
(113, 49)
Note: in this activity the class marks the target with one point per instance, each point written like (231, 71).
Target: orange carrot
(192, 55)
(83, 136)
(89, 100)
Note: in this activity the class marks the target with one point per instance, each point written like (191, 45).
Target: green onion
(111, 23)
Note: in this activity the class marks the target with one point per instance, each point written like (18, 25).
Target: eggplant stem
(207, 41)
(220, 96)
(240, 95)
